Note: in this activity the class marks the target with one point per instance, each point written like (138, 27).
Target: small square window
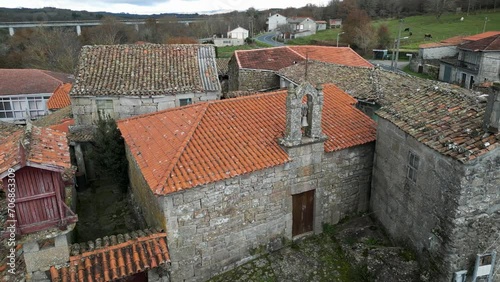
(413, 163)
(184, 102)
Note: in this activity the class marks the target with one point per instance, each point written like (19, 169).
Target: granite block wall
(215, 227)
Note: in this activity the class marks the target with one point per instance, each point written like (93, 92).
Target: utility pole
(394, 62)
(338, 35)
(485, 21)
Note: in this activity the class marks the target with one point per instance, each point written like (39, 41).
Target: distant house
(477, 62)
(60, 98)
(335, 23)
(320, 25)
(436, 179)
(301, 27)
(238, 33)
(127, 80)
(256, 69)
(274, 21)
(248, 174)
(26, 92)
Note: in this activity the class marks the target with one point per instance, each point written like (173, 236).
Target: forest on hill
(57, 48)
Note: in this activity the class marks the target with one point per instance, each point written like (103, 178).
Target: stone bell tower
(303, 119)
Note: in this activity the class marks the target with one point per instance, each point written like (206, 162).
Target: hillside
(447, 26)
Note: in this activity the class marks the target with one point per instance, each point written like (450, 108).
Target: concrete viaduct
(77, 24)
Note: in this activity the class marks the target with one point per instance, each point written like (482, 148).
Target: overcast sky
(158, 6)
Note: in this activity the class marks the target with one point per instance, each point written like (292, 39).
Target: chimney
(491, 121)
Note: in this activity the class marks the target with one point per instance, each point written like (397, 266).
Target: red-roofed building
(256, 69)
(60, 98)
(477, 62)
(35, 168)
(27, 91)
(247, 172)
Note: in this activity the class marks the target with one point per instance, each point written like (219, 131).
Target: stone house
(127, 80)
(256, 70)
(231, 179)
(477, 62)
(27, 91)
(436, 184)
(274, 21)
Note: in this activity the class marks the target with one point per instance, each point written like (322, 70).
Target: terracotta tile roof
(189, 146)
(60, 97)
(280, 57)
(481, 35)
(267, 58)
(321, 22)
(452, 41)
(40, 145)
(30, 81)
(491, 43)
(113, 258)
(222, 65)
(445, 121)
(376, 85)
(147, 69)
(336, 55)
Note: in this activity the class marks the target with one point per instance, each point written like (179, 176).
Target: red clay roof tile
(280, 57)
(491, 43)
(481, 35)
(30, 81)
(211, 141)
(115, 259)
(60, 97)
(42, 146)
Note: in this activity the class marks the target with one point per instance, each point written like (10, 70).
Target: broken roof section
(114, 257)
(145, 70)
(189, 146)
(34, 146)
(277, 58)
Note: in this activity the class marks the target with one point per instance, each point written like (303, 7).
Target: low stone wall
(257, 80)
(214, 227)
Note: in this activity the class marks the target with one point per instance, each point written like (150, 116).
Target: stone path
(355, 251)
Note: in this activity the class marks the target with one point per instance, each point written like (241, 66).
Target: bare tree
(110, 32)
(52, 49)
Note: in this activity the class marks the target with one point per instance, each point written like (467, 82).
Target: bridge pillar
(11, 31)
(78, 30)
(136, 27)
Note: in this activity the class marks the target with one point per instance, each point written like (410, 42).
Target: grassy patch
(408, 70)
(449, 25)
(227, 51)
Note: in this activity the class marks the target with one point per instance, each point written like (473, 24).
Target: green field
(447, 26)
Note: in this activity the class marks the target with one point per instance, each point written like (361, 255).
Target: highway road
(268, 39)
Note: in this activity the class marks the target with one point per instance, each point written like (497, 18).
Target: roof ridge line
(44, 72)
(289, 48)
(181, 149)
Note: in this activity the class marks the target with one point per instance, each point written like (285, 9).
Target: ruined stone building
(255, 70)
(228, 178)
(436, 177)
(127, 80)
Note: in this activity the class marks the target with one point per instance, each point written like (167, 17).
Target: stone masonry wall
(489, 68)
(434, 215)
(85, 109)
(215, 227)
(233, 74)
(477, 221)
(257, 80)
(143, 196)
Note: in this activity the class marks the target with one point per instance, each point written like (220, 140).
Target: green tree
(108, 152)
